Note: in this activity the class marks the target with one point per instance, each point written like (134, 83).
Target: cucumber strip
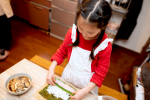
(65, 90)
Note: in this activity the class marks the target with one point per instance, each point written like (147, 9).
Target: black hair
(94, 11)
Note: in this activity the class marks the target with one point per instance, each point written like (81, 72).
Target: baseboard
(136, 54)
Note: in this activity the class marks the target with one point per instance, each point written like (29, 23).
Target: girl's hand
(81, 93)
(78, 95)
(50, 79)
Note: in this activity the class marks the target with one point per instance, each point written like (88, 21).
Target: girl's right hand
(50, 79)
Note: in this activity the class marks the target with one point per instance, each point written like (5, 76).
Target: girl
(88, 50)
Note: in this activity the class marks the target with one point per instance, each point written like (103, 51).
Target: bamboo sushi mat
(89, 96)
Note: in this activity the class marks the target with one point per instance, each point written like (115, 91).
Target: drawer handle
(38, 8)
(25, 1)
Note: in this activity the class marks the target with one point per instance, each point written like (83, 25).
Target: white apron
(78, 70)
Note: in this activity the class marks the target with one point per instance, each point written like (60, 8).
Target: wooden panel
(58, 3)
(70, 5)
(46, 3)
(59, 29)
(39, 16)
(24, 9)
(111, 92)
(63, 16)
(16, 9)
(38, 60)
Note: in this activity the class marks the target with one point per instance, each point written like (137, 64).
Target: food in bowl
(18, 84)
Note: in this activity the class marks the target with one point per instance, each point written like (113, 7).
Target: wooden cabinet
(59, 29)
(58, 3)
(20, 8)
(70, 5)
(39, 16)
(63, 17)
(34, 11)
(24, 9)
(46, 3)
(16, 9)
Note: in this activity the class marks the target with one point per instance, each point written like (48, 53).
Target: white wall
(141, 32)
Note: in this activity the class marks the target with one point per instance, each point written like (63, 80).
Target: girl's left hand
(78, 95)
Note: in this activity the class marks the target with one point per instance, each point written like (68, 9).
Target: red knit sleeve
(102, 65)
(62, 52)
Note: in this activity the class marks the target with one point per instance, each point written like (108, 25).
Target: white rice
(58, 92)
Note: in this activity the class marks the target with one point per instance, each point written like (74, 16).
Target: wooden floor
(28, 41)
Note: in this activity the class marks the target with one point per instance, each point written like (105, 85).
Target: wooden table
(38, 75)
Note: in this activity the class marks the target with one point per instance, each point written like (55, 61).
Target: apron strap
(73, 36)
(102, 46)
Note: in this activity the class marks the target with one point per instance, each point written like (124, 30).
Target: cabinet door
(24, 9)
(16, 9)
(58, 3)
(63, 16)
(46, 3)
(70, 5)
(59, 29)
(39, 16)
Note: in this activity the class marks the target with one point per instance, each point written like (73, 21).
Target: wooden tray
(89, 96)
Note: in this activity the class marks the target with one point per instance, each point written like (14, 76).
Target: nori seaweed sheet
(48, 96)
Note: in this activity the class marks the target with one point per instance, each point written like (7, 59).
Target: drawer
(63, 16)
(70, 5)
(59, 29)
(39, 16)
(46, 3)
(58, 3)
(16, 9)
(24, 9)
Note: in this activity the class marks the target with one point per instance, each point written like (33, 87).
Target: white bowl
(16, 75)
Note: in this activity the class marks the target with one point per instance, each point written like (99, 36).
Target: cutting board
(88, 96)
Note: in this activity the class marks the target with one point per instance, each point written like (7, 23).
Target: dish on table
(18, 83)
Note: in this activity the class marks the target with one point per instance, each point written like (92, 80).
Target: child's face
(89, 31)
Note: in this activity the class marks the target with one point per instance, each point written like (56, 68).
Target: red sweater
(101, 63)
